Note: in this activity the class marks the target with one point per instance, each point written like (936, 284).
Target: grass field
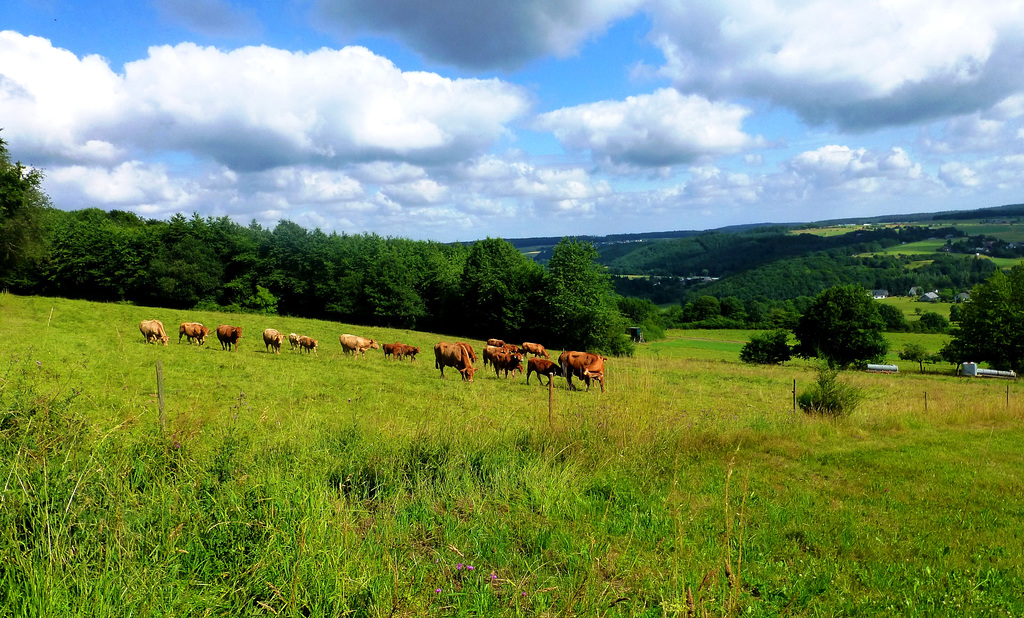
(304, 485)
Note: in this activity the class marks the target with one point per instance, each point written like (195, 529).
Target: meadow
(301, 485)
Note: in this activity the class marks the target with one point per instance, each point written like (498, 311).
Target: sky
(464, 119)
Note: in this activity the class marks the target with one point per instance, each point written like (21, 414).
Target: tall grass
(316, 486)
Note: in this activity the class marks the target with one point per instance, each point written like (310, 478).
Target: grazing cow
(542, 367)
(469, 349)
(354, 344)
(498, 343)
(453, 355)
(489, 353)
(584, 366)
(228, 336)
(308, 344)
(535, 348)
(293, 340)
(193, 330)
(153, 331)
(407, 350)
(273, 339)
(503, 361)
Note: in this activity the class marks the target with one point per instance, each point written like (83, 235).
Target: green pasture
(300, 485)
(912, 308)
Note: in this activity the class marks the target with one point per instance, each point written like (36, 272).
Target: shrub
(828, 396)
(769, 348)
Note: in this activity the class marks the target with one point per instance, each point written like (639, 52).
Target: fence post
(160, 394)
(794, 395)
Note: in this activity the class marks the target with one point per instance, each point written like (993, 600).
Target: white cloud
(652, 130)
(478, 33)
(861, 64)
(251, 108)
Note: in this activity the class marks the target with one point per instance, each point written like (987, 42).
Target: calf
(503, 361)
(193, 330)
(229, 336)
(273, 339)
(308, 344)
(542, 367)
(293, 340)
(407, 350)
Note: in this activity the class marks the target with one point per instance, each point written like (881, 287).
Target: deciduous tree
(842, 327)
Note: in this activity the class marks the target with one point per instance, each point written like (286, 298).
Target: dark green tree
(991, 327)
(842, 327)
(770, 348)
(23, 206)
(582, 310)
(498, 285)
(895, 321)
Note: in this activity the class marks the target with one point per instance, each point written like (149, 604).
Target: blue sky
(461, 119)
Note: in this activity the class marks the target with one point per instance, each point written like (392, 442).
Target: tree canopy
(991, 325)
(842, 327)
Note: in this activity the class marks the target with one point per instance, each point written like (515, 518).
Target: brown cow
(273, 339)
(153, 331)
(390, 349)
(453, 355)
(503, 361)
(407, 350)
(584, 366)
(534, 348)
(228, 336)
(193, 330)
(489, 353)
(354, 344)
(308, 344)
(542, 367)
(498, 343)
(293, 340)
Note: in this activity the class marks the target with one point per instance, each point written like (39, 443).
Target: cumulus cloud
(251, 108)
(652, 130)
(209, 17)
(860, 65)
(478, 34)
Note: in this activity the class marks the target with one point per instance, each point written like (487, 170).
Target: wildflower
(350, 400)
(470, 567)
(437, 590)
(494, 575)
(458, 567)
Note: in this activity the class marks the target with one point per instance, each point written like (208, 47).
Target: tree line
(484, 289)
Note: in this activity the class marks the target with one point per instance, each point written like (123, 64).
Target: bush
(769, 348)
(829, 396)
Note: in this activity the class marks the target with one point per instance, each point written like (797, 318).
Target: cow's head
(374, 345)
(467, 373)
(165, 339)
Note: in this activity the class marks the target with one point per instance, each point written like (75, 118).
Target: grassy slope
(321, 485)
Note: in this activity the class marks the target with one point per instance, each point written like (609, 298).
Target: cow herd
(501, 356)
